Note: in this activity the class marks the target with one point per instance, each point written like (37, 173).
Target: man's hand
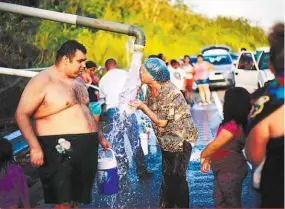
(105, 144)
(205, 168)
(37, 157)
(137, 104)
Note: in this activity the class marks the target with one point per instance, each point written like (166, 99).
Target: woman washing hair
(174, 128)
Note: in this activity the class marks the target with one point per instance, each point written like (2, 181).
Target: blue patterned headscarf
(157, 69)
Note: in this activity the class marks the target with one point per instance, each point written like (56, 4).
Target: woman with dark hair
(13, 187)
(225, 154)
(91, 82)
(265, 141)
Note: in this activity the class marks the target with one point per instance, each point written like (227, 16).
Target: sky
(263, 13)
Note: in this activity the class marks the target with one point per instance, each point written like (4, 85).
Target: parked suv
(250, 73)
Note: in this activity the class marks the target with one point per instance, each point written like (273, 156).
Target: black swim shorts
(70, 165)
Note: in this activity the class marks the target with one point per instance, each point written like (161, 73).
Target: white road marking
(218, 103)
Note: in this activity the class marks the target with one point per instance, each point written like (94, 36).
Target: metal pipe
(27, 73)
(130, 30)
(16, 72)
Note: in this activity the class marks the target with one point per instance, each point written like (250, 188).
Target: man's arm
(31, 99)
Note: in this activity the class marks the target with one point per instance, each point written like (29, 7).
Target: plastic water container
(107, 175)
(144, 143)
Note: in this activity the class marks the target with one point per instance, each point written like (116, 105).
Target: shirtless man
(54, 118)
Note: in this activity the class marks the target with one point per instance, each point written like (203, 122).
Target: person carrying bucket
(111, 87)
(176, 133)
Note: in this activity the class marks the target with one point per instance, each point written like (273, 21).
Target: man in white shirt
(111, 86)
(177, 75)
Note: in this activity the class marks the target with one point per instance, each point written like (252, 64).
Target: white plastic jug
(107, 175)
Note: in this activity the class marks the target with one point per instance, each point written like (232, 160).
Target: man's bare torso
(64, 109)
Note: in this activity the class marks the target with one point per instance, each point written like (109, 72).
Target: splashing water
(132, 83)
(121, 118)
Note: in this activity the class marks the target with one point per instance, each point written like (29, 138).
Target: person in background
(92, 88)
(265, 141)
(189, 78)
(111, 87)
(174, 128)
(13, 186)
(91, 67)
(163, 58)
(152, 56)
(177, 75)
(225, 152)
(202, 73)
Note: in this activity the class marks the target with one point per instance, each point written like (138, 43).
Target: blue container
(107, 175)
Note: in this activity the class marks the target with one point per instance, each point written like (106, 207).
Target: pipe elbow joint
(138, 33)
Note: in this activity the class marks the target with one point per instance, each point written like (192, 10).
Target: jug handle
(113, 153)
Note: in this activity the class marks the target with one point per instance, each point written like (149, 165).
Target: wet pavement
(145, 194)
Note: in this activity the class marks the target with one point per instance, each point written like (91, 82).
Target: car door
(264, 74)
(246, 73)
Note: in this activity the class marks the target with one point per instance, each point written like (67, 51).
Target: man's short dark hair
(110, 61)
(152, 56)
(200, 55)
(276, 42)
(173, 62)
(243, 49)
(160, 56)
(90, 64)
(69, 49)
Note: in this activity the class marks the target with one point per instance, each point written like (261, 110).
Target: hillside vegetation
(171, 29)
(174, 30)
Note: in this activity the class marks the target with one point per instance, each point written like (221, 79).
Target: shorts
(189, 83)
(69, 176)
(95, 108)
(202, 82)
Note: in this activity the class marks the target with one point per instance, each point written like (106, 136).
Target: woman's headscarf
(157, 69)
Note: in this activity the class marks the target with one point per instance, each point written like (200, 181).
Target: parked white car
(250, 73)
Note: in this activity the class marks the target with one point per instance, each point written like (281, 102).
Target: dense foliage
(174, 30)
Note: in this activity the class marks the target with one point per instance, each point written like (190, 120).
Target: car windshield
(256, 55)
(234, 56)
(263, 62)
(218, 59)
(246, 61)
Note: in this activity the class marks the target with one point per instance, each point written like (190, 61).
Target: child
(13, 187)
(225, 152)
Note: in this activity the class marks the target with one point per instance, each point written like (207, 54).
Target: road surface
(145, 194)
